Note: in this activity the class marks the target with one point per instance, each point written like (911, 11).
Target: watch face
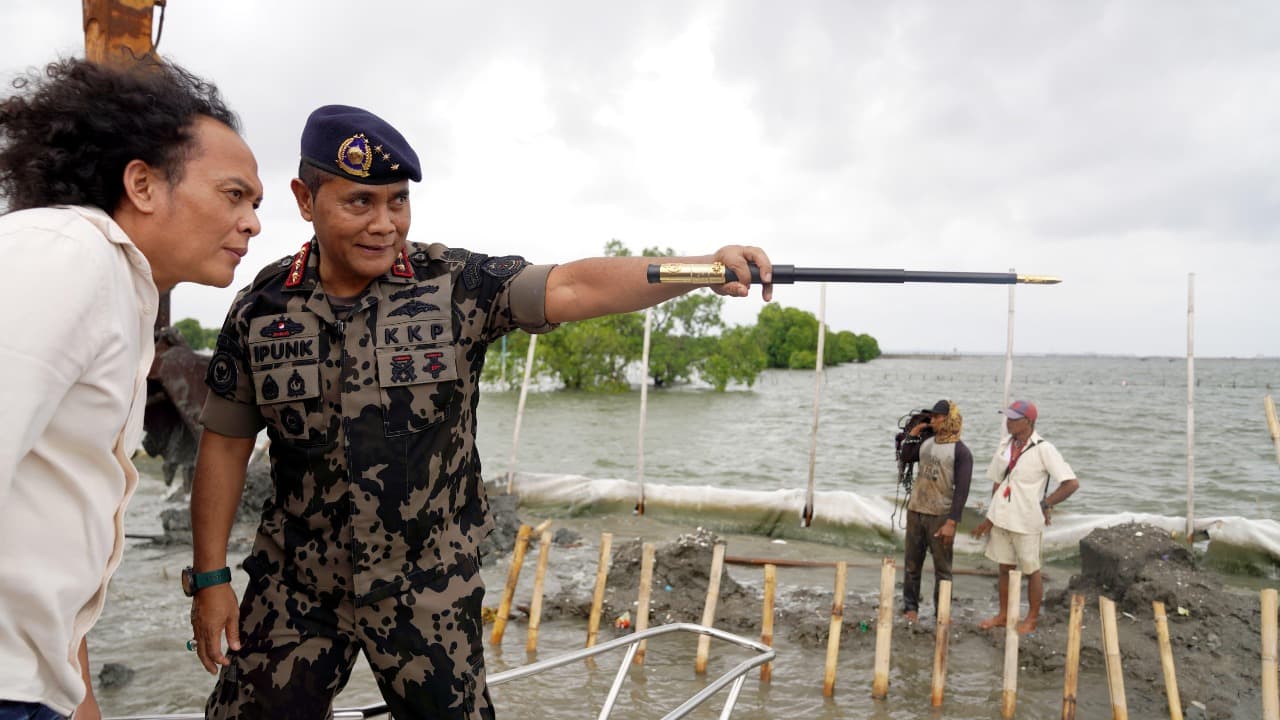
(188, 581)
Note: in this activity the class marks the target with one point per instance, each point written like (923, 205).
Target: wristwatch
(193, 582)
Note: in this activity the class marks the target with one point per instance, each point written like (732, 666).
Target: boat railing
(733, 678)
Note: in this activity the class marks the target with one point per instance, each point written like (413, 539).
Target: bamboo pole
(1273, 425)
(1009, 698)
(524, 393)
(766, 623)
(1069, 686)
(642, 603)
(806, 516)
(1191, 407)
(833, 635)
(535, 605)
(1008, 360)
(644, 413)
(709, 610)
(942, 643)
(1270, 694)
(508, 592)
(597, 597)
(1166, 661)
(1111, 651)
(884, 631)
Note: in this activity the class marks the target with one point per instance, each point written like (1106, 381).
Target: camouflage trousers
(297, 653)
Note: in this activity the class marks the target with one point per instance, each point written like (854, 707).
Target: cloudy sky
(1119, 145)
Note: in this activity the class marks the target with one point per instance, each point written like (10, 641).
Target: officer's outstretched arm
(602, 286)
(215, 495)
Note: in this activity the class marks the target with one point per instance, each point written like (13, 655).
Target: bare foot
(910, 616)
(1028, 625)
(991, 622)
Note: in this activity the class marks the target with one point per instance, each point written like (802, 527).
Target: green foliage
(199, 338)
(736, 356)
(868, 348)
(508, 373)
(790, 339)
(683, 334)
(593, 354)
(802, 359)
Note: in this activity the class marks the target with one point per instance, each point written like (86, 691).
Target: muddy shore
(1214, 630)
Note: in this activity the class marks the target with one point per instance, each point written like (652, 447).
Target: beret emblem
(354, 156)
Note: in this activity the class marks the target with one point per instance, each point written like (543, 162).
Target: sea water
(710, 458)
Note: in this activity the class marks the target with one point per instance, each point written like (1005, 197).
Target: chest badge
(283, 327)
(270, 390)
(402, 369)
(414, 308)
(296, 385)
(434, 365)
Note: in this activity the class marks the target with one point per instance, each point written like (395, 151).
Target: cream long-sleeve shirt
(77, 307)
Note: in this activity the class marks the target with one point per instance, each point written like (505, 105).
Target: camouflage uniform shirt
(372, 418)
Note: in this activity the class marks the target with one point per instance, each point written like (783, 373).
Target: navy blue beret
(357, 145)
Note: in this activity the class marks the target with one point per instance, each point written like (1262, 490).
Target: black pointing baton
(718, 274)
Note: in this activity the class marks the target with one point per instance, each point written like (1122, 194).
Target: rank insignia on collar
(299, 267)
(400, 268)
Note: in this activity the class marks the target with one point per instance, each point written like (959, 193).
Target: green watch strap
(211, 578)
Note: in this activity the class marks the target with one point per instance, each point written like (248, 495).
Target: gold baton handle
(689, 273)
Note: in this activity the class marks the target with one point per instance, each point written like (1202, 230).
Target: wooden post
(535, 605)
(709, 610)
(642, 603)
(1166, 661)
(833, 635)
(1009, 698)
(1270, 695)
(884, 631)
(806, 516)
(513, 577)
(1111, 651)
(1191, 407)
(1273, 425)
(942, 643)
(766, 623)
(597, 598)
(524, 393)
(1073, 658)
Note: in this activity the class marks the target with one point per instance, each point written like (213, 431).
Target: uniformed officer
(361, 355)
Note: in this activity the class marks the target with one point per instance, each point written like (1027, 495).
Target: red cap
(1021, 409)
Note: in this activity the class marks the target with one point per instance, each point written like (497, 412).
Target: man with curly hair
(361, 355)
(118, 184)
(937, 500)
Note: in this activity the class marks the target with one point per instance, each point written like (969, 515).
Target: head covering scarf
(950, 430)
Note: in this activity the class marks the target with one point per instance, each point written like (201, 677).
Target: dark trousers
(920, 537)
(10, 710)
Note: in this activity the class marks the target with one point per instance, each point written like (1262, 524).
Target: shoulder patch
(471, 270)
(503, 267)
(456, 255)
(222, 374)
